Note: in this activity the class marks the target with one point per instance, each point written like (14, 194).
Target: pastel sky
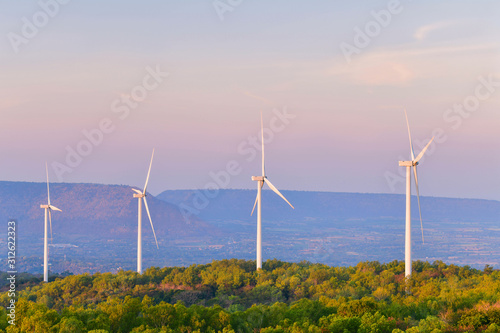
(227, 61)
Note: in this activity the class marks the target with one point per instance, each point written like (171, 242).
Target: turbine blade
(262, 138)
(409, 135)
(255, 204)
(277, 192)
(48, 190)
(50, 220)
(256, 199)
(136, 191)
(150, 221)
(262, 99)
(149, 171)
(54, 208)
(418, 199)
(423, 151)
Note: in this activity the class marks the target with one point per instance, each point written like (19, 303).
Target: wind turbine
(409, 164)
(142, 195)
(258, 201)
(48, 208)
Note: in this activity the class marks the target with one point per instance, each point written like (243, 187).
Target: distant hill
(311, 206)
(91, 210)
(97, 228)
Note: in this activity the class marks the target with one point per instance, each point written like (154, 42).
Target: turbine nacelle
(408, 163)
(139, 194)
(50, 207)
(258, 178)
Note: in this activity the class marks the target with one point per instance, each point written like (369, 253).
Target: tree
(71, 325)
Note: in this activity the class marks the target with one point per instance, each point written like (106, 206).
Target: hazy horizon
(247, 189)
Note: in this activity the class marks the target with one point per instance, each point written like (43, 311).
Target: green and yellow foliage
(231, 296)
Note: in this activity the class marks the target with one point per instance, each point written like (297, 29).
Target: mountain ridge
(337, 204)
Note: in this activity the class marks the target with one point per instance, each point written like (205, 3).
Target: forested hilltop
(231, 296)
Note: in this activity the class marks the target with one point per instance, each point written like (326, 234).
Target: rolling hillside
(90, 210)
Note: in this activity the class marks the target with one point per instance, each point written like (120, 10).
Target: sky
(91, 87)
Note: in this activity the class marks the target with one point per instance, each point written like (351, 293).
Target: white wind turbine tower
(142, 195)
(258, 201)
(48, 208)
(409, 164)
